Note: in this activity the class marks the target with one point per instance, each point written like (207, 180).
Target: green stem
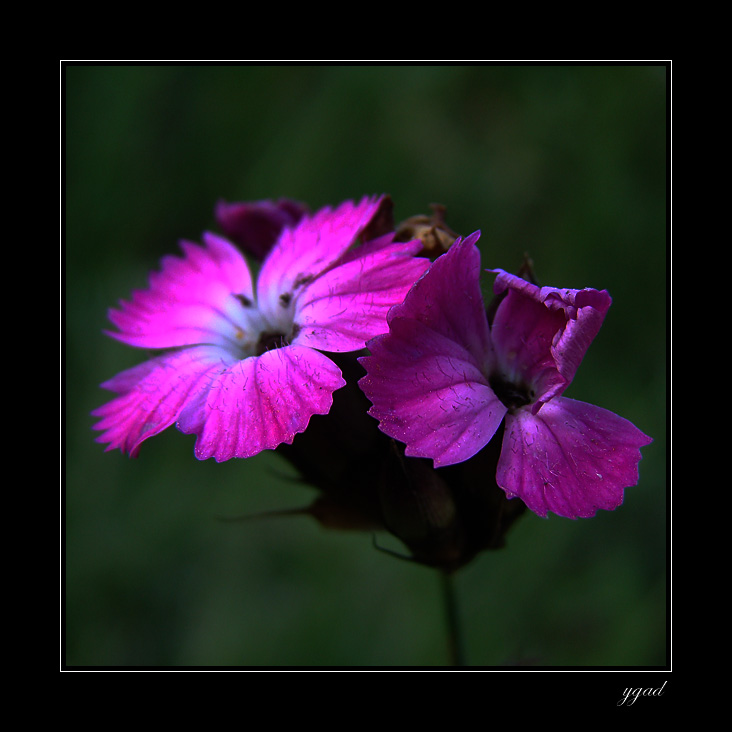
(453, 622)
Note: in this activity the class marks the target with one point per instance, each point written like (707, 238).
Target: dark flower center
(268, 341)
(275, 339)
(511, 395)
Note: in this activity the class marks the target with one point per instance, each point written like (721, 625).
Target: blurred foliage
(565, 163)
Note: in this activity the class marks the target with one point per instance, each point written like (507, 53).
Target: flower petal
(449, 301)
(152, 395)
(427, 376)
(570, 458)
(428, 392)
(348, 305)
(261, 402)
(522, 333)
(306, 251)
(541, 334)
(203, 298)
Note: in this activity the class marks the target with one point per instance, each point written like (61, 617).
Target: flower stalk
(454, 629)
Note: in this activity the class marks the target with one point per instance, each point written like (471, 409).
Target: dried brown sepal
(434, 233)
(526, 270)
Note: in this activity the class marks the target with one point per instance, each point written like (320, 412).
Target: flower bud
(365, 483)
(255, 225)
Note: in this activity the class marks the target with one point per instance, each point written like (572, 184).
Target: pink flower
(244, 369)
(444, 380)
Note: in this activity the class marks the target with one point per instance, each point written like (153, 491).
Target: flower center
(255, 333)
(511, 395)
(269, 340)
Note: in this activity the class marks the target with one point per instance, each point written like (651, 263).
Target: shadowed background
(566, 163)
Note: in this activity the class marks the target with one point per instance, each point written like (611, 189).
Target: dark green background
(567, 163)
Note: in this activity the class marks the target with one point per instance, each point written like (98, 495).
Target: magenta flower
(443, 380)
(243, 368)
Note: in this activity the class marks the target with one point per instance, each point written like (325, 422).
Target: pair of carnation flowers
(244, 364)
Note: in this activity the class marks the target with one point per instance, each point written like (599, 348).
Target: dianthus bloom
(244, 368)
(444, 379)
